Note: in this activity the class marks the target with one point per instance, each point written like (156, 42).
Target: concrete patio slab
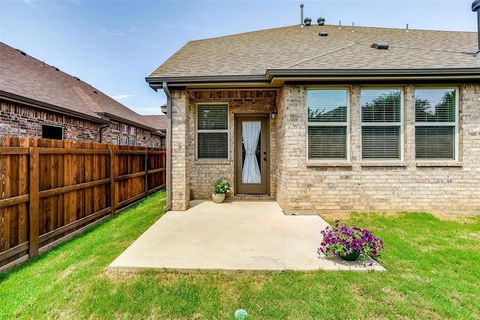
(239, 235)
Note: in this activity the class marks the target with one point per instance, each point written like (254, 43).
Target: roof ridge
(240, 33)
(332, 26)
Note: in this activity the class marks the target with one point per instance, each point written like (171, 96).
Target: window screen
(327, 124)
(212, 132)
(52, 132)
(381, 123)
(435, 123)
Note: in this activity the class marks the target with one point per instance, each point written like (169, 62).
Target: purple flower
(341, 240)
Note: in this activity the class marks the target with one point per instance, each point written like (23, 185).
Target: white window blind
(212, 132)
(381, 123)
(435, 123)
(327, 124)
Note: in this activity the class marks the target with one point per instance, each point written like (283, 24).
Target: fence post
(34, 201)
(112, 182)
(146, 173)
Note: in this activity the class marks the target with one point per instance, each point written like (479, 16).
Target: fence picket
(33, 215)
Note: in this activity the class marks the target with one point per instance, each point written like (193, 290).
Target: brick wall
(21, 120)
(142, 137)
(361, 186)
(306, 187)
(204, 173)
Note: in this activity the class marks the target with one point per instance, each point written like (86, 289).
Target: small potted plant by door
(220, 188)
(350, 243)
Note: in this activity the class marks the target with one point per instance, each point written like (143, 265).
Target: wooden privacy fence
(51, 190)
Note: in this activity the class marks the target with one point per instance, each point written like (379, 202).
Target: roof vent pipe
(476, 8)
(301, 15)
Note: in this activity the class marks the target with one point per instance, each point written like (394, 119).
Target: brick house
(327, 118)
(39, 100)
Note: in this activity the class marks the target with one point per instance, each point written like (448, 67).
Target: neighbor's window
(133, 130)
(327, 124)
(123, 140)
(52, 132)
(124, 128)
(114, 139)
(114, 126)
(212, 132)
(435, 123)
(381, 123)
(132, 141)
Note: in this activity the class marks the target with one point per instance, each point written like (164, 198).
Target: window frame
(328, 124)
(53, 126)
(456, 123)
(400, 124)
(115, 139)
(132, 141)
(114, 123)
(227, 131)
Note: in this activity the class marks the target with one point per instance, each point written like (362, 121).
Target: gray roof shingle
(298, 48)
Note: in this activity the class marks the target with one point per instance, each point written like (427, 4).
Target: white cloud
(118, 33)
(34, 3)
(147, 110)
(113, 33)
(30, 3)
(121, 97)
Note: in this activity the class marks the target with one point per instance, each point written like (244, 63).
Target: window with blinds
(212, 132)
(381, 124)
(327, 124)
(435, 123)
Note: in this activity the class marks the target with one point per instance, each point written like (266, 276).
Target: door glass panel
(251, 152)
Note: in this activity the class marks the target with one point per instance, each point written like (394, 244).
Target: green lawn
(433, 272)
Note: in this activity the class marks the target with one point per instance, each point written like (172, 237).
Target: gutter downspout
(101, 131)
(169, 145)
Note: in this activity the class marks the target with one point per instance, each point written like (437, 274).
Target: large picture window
(212, 132)
(381, 124)
(327, 124)
(435, 123)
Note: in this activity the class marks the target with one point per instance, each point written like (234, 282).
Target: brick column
(180, 145)
(409, 127)
(355, 128)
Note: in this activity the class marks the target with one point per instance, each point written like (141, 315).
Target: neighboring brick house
(324, 119)
(39, 100)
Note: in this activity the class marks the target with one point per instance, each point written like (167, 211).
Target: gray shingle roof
(296, 48)
(157, 121)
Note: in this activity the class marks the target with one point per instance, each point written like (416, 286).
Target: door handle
(264, 156)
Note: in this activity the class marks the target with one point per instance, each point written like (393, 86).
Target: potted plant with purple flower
(349, 243)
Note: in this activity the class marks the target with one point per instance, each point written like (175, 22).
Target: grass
(433, 273)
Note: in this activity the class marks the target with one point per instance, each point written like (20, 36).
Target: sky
(114, 45)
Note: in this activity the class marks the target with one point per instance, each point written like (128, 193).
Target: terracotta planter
(218, 197)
